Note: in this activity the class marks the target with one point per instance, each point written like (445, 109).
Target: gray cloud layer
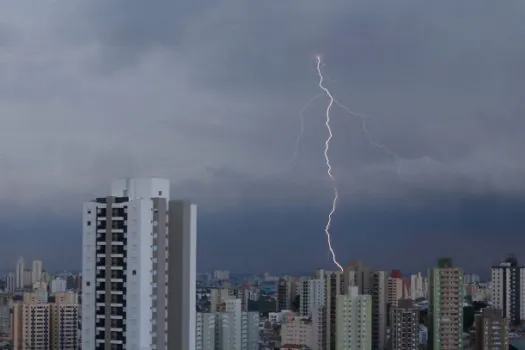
(93, 90)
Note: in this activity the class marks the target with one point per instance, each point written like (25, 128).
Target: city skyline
(208, 96)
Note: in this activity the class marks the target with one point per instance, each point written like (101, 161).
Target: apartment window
(89, 223)
(160, 193)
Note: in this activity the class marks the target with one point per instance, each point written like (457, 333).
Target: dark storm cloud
(444, 79)
(476, 232)
(208, 94)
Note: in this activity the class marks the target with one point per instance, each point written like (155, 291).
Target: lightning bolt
(328, 164)
(301, 128)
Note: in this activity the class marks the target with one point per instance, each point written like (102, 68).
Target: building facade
(64, 321)
(445, 311)
(36, 271)
(492, 330)
(298, 332)
(137, 244)
(285, 293)
(6, 303)
(31, 323)
(354, 321)
(379, 309)
(508, 286)
(20, 273)
(404, 326)
(205, 331)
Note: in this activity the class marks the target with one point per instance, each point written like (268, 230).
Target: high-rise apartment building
(298, 332)
(136, 245)
(375, 284)
(379, 309)
(230, 324)
(31, 323)
(58, 285)
(508, 284)
(395, 285)
(359, 275)
(182, 281)
(28, 278)
(418, 286)
(471, 278)
(250, 330)
(6, 303)
(20, 270)
(10, 282)
(312, 295)
(492, 330)
(218, 297)
(285, 293)
(335, 286)
(445, 313)
(64, 321)
(205, 331)
(36, 271)
(354, 321)
(404, 326)
(236, 329)
(43, 325)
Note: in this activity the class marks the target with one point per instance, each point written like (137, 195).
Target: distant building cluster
(139, 290)
(39, 310)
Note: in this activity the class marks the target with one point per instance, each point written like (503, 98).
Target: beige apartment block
(64, 321)
(38, 324)
(31, 323)
(446, 307)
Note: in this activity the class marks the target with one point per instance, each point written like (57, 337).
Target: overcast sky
(208, 94)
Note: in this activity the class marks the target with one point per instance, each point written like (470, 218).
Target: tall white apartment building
(226, 336)
(36, 271)
(234, 329)
(233, 307)
(471, 278)
(418, 286)
(28, 278)
(250, 330)
(508, 290)
(136, 245)
(312, 295)
(20, 271)
(205, 331)
(354, 321)
(58, 285)
(10, 282)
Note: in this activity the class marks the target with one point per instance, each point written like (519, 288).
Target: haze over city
(208, 94)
